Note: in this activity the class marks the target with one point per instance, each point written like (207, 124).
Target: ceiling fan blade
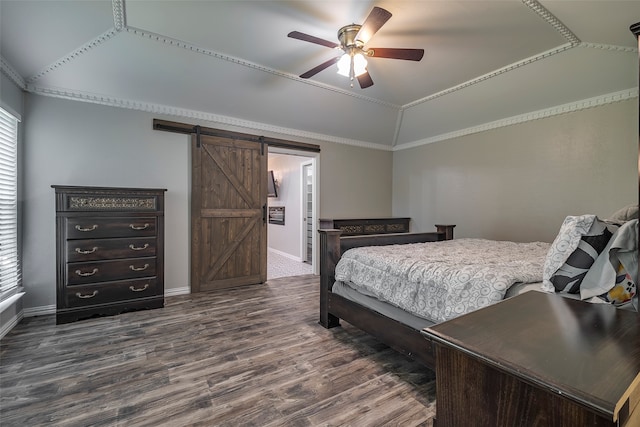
(365, 80)
(376, 19)
(312, 39)
(408, 54)
(316, 70)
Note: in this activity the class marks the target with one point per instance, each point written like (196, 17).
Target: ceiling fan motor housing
(347, 36)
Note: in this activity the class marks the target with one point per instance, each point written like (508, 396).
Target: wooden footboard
(334, 307)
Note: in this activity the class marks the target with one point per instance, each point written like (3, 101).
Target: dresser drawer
(98, 249)
(79, 273)
(97, 227)
(87, 295)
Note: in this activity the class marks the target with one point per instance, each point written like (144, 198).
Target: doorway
(294, 242)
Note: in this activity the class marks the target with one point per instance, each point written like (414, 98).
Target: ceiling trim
(517, 65)
(608, 47)
(196, 49)
(119, 14)
(198, 115)
(492, 74)
(552, 20)
(527, 117)
(10, 72)
(76, 53)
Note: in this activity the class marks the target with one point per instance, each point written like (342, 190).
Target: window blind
(10, 270)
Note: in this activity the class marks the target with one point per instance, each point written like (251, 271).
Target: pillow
(623, 290)
(578, 243)
(625, 214)
(612, 277)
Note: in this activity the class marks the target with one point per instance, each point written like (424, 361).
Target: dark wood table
(538, 360)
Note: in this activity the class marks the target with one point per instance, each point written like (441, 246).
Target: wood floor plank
(251, 356)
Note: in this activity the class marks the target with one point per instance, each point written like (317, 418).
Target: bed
(540, 266)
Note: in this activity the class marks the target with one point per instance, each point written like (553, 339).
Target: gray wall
(354, 182)
(74, 143)
(519, 182)
(516, 182)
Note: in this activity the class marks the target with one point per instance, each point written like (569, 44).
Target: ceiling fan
(352, 40)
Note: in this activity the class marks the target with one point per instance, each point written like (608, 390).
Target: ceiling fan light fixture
(359, 64)
(352, 65)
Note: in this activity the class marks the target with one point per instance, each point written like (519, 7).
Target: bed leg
(328, 321)
(329, 256)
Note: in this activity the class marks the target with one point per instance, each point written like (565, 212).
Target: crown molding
(13, 75)
(552, 20)
(519, 64)
(528, 117)
(492, 74)
(197, 115)
(609, 47)
(119, 14)
(196, 49)
(76, 53)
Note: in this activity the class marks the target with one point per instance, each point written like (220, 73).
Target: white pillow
(625, 214)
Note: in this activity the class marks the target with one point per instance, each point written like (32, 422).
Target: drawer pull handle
(83, 252)
(144, 288)
(139, 269)
(138, 248)
(90, 273)
(79, 295)
(81, 228)
(135, 227)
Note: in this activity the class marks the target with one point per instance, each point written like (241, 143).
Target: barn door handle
(264, 214)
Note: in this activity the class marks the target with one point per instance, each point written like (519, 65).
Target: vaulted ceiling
(231, 62)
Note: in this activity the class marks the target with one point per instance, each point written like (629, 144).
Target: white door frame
(303, 209)
(314, 159)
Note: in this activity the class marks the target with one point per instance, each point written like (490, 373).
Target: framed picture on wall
(276, 215)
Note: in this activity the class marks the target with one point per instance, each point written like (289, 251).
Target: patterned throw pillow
(569, 276)
(579, 242)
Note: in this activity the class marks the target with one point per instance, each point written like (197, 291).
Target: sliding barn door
(228, 224)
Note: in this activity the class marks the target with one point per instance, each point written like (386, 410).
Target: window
(10, 271)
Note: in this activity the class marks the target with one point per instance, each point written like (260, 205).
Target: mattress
(442, 280)
(402, 316)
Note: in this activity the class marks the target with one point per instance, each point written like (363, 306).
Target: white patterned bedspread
(442, 280)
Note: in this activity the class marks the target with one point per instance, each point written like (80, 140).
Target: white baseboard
(286, 255)
(11, 323)
(40, 311)
(186, 290)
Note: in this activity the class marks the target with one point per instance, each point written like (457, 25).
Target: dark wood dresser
(538, 359)
(109, 250)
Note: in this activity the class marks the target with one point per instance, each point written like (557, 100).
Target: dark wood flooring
(252, 356)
